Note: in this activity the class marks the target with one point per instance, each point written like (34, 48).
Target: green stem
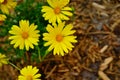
(14, 65)
(46, 53)
(40, 58)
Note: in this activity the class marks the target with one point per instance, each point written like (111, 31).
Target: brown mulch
(97, 24)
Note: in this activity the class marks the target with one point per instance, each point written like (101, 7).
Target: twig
(14, 66)
(51, 72)
(98, 33)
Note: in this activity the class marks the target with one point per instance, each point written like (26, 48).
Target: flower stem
(40, 58)
(14, 66)
(46, 53)
(28, 57)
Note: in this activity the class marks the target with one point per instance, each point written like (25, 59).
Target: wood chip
(103, 75)
(103, 49)
(98, 6)
(104, 65)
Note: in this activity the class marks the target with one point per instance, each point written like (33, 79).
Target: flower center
(4, 2)
(29, 77)
(59, 37)
(25, 35)
(57, 10)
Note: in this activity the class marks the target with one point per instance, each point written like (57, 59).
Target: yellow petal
(51, 3)
(4, 9)
(15, 30)
(70, 39)
(2, 17)
(63, 3)
(52, 47)
(46, 36)
(13, 4)
(24, 25)
(63, 17)
(61, 50)
(56, 49)
(64, 47)
(58, 19)
(32, 27)
(27, 44)
(22, 44)
(68, 44)
(61, 26)
(17, 43)
(68, 30)
(1, 1)
(37, 76)
(48, 16)
(46, 9)
(49, 28)
(33, 40)
(67, 13)
(48, 43)
(15, 37)
(67, 8)
(53, 20)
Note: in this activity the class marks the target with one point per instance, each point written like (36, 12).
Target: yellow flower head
(1, 1)
(60, 38)
(25, 35)
(7, 5)
(29, 73)
(3, 59)
(2, 18)
(57, 11)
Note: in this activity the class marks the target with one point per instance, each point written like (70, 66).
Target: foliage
(26, 10)
(41, 14)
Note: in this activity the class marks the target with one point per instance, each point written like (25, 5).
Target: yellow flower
(25, 35)
(29, 73)
(7, 5)
(1, 1)
(2, 18)
(60, 38)
(3, 59)
(57, 11)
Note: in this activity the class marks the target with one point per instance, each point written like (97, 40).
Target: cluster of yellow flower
(29, 73)
(59, 36)
(2, 18)
(24, 35)
(3, 59)
(6, 6)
